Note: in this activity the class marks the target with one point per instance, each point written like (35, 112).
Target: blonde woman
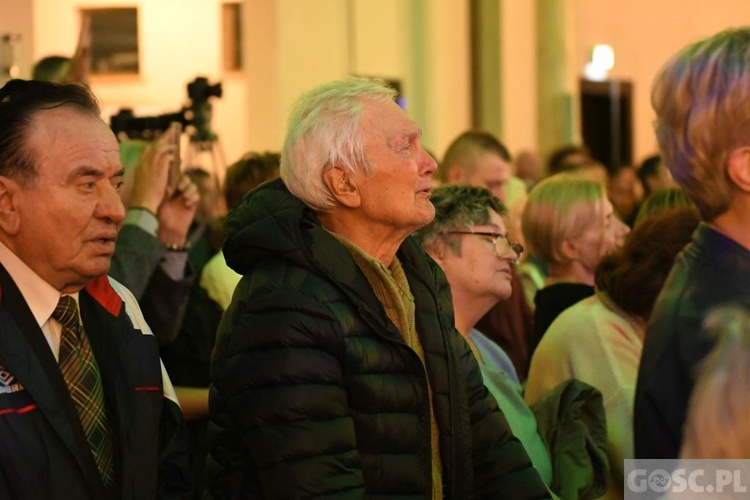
(569, 224)
(599, 340)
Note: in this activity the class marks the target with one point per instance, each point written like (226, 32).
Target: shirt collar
(41, 297)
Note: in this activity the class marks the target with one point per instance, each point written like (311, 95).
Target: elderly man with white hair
(337, 370)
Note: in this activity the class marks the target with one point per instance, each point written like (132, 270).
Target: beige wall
(446, 73)
(17, 18)
(178, 39)
(518, 58)
(296, 45)
(291, 45)
(644, 34)
(423, 43)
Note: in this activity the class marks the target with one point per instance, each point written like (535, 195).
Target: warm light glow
(603, 56)
(602, 60)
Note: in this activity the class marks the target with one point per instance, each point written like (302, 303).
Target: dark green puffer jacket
(315, 393)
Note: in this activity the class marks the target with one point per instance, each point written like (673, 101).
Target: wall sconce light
(602, 60)
(10, 56)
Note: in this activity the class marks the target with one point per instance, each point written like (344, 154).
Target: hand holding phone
(175, 168)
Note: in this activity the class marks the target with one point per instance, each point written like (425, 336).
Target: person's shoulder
(217, 269)
(690, 288)
(711, 249)
(216, 262)
(132, 309)
(585, 311)
(418, 263)
(493, 354)
(287, 291)
(219, 280)
(566, 328)
(562, 295)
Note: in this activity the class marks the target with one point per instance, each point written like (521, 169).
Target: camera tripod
(196, 153)
(202, 139)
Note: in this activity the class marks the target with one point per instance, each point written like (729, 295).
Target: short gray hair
(323, 130)
(457, 207)
(701, 98)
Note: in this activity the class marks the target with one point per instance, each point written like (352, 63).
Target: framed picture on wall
(231, 21)
(114, 40)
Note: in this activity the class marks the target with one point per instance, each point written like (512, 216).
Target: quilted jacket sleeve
(280, 422)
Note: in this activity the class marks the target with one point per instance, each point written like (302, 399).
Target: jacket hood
(271, 222)
(267, 220)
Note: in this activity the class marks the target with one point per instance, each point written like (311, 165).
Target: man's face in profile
(68, 216)
(397, 193)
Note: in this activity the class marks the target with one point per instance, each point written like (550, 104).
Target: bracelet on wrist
(173, 247)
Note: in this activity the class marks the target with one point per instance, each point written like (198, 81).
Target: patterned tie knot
(66, 313)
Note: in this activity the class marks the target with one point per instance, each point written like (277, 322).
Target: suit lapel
(106, 337)
(25, 353)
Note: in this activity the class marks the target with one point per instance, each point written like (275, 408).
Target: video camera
(196, 115)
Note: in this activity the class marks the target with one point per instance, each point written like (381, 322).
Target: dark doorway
(607, 121)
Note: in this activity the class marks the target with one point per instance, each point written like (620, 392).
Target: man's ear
(342, 186)
(738, 168)
(455, 174)
(9, 216)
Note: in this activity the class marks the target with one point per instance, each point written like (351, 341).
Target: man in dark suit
(86, 409)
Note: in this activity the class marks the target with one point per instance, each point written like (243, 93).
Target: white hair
(323, 130)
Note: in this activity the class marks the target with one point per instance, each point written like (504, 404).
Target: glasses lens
(502, 244)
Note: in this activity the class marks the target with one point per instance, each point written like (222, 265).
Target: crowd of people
(351, 317)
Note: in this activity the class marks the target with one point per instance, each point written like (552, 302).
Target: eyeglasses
(494, 238)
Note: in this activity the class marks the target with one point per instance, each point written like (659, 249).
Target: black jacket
(314, 391)
(712, 270)
(43, 449)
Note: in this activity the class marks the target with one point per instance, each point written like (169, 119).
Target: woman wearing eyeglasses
(468, 240)
(568, 223)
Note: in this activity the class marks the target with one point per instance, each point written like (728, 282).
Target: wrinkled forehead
(68, 130)
(65, 119)
(387, 120)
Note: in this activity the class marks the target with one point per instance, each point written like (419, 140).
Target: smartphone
(175, 169)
